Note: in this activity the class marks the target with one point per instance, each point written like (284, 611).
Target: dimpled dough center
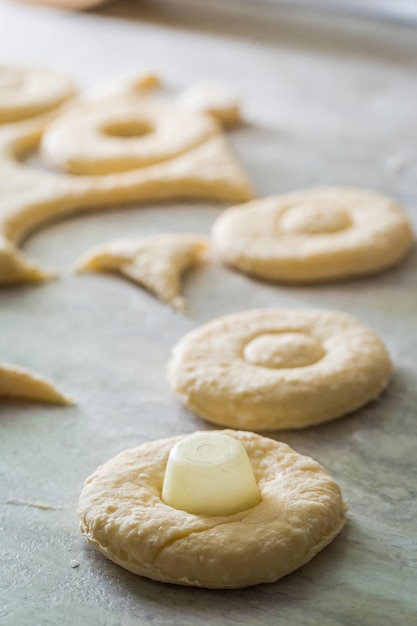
(312, 218)
(283, 350)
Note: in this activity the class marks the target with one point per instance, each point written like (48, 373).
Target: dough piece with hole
(214, 99)
(16, 382)
(314, 235)
(30, 91)
(156, 262)
(121, 134)
(123, 516)
(203, 170)
(279, 369)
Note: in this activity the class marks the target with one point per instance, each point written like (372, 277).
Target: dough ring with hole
(30, 91)
(202, 169)
(124, 133)
(279, 369)
(314, 235)
(123, 516)
(16, 382)
(156, 262)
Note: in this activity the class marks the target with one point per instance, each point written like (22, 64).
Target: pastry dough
(124, 86)
(29, 91)
(314, 235)
(16, 382)
(279, 369)
(29, 198)
(214, 99)
(123, 516)
(156, 262)
(120, 134)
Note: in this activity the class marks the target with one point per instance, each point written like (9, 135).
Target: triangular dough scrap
(155, 262)
(210, 171)
(16, 382)
(212, 98)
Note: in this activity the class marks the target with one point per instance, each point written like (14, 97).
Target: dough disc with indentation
(123, 516)
(278, 369)
(314, 235)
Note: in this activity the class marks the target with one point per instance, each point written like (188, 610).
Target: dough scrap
(123, 517)
(314, 235)
(278, 369)
(30, 91)
(16, 382)
(124, 86)
(214, 99)
(155, 262)
(29, 197)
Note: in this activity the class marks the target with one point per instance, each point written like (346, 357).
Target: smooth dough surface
(17, 382)
(156, 262)
(314, 235)
(203, 169)
(279, 369)
(123, 516)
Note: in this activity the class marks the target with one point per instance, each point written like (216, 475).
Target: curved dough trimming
(17, 382)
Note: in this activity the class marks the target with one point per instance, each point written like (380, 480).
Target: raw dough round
(314, 235)
(123, 516)
(275, 369)
(28, 91)
(124, 133)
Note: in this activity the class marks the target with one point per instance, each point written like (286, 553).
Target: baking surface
(327, 102)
